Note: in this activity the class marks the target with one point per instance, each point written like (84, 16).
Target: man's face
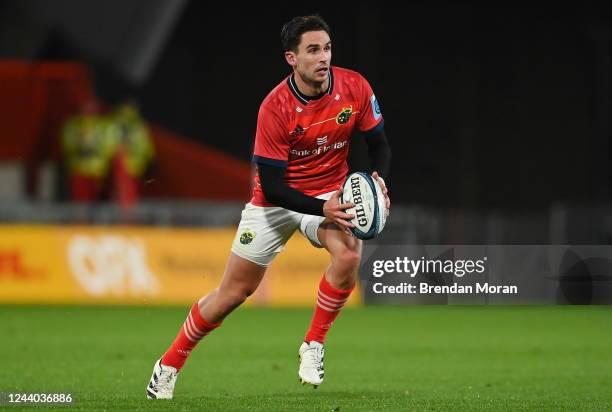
(313, 57)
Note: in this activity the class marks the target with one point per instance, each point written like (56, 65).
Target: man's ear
(291, 58)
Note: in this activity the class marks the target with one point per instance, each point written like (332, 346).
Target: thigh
(241, 275)
(335, 240)
(263, 232)
(309, 224)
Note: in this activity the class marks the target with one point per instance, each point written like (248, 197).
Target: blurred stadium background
(499, 121)
(498, 118)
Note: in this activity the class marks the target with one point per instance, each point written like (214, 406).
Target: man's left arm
(379, 153)
(371, 124)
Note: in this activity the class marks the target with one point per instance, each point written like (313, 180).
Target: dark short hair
(292, 31)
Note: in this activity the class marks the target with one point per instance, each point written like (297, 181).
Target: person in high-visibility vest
(88, 145)
(135, 152)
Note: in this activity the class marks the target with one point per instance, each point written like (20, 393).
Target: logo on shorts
(345, 115)
(247, 237)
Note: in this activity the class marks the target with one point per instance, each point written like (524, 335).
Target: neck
(310, 88)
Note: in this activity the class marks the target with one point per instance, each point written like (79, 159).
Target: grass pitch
(377, 358)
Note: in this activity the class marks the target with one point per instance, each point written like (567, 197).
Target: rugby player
(302, 140)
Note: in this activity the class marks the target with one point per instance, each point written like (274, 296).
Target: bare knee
(236, 296)
(344, 268)
(348, 260)
(220, 302)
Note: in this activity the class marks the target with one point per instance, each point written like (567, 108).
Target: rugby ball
(370, 209)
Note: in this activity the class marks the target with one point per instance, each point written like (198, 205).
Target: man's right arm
(276, 191)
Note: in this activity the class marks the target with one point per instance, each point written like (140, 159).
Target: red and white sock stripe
(328, 303)
(192, 332)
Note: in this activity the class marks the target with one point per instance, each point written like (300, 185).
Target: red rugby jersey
(311, 136)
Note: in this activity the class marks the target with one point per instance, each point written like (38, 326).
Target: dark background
(502, 108)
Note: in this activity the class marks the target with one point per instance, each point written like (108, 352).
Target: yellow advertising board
(142, 265)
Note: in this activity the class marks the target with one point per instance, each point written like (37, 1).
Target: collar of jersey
(304, 99)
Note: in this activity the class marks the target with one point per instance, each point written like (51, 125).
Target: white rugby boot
(311, 363)
(161, 385)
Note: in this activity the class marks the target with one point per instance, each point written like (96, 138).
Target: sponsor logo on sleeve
(375, 108)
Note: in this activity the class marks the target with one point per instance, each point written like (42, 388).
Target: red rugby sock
(193, 330)
(329, 303)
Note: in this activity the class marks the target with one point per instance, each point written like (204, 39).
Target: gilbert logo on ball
(370, 208)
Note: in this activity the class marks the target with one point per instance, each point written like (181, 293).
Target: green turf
(377, 358)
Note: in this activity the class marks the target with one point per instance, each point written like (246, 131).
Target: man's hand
(383, 187)
(334, 211)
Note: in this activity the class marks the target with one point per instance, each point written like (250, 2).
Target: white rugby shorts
(263, 231)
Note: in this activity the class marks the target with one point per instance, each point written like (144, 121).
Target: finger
(344, 223)
(376, 176)
(381, 182)
(388, 201)
(344, 206)
(345, 216)
(344, 229)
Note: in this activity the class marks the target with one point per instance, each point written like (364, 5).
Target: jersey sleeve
(370, 117)
(271, 138)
